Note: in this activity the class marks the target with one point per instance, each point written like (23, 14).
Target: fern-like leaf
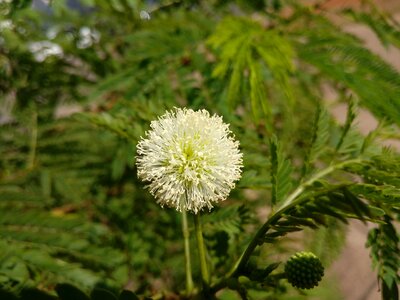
(342, 58)
(229, 219)
(320, 136)
(281, 170)
(250, 55)
(351, 115)
(384, 27)
(385, 252)
(46, 247)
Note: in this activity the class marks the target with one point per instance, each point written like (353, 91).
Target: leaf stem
(188, 266)
(202, 253)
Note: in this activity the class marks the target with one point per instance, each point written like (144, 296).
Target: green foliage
(229, 219)
(70, 292)
(248, 54)
(223, 228)
(351, 115)
(327, 242)
(320, 136)
(46, 248)
(324, 46)
(384, 26)
(385, 248)
(280, 173)
(72, 210)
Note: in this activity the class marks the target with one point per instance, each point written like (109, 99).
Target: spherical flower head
(304, 270)
(190, 160)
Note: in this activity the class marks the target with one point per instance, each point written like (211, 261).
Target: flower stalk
(202, 253)
(188, 266)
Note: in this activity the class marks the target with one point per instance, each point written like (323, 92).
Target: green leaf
(261, 274)
(390, 292)
(297, 221)
(229, 219)
(386, 29)
(381, 195)
(351, 115)
(384, 245)
(20, 4)
(320, 136)
(342, 58)
(258, 96)
(327, 242)
(120, 162)
(250, 56)
(281, 170)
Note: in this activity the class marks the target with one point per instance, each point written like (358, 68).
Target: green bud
(304, 270)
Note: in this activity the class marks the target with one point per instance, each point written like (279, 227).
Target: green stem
(185, 230)
(289, 203)
(202, 253)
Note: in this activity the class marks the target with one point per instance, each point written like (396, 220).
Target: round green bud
(304, 270)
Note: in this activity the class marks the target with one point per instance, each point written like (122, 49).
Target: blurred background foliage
(80, 82)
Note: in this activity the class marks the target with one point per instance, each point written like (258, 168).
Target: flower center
(191, 163)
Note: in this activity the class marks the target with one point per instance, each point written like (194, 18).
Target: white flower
(144, 15)
(87, 37)
(190, 159)
(42, 50)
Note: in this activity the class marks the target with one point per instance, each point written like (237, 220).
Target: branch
(291, 201)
